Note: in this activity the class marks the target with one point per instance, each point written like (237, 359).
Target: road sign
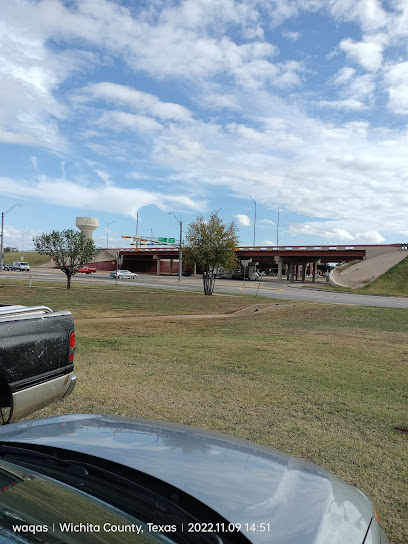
(172, 240)
(162, 239)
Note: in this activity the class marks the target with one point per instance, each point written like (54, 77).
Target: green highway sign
(172, 240)
(162, 239)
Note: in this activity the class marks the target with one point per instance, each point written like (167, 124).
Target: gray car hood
(242, 481)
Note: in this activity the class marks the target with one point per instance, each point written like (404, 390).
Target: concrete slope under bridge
(364, 272)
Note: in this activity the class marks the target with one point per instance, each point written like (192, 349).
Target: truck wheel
(92, 272)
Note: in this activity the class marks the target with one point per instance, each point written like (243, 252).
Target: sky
(166, 110)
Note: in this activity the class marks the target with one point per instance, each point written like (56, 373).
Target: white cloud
(344, 75)
(280, 10)
(243, 220)
(267, 222)
(368, 53)
(336, 234)
(291, 35)
(119, 120)
(219, 101)
(361, 87)
(369, 13)
(30, 73)
(396, 79)
(371, 236)
(101, 197)
(344, 105)
(135, 100)
(171, 42)
(357, 92)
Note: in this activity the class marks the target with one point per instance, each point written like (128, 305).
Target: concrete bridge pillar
(304, 266)
(158, 266)
(297, 271)
(314, 272)
(291, 271)
(280, 269)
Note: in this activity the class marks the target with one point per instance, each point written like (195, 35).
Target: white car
(21, 266)
(123, 274)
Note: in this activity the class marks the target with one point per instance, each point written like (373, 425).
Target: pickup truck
(84, 270)
(36, 359)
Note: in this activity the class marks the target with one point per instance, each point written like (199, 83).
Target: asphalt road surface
(267, 287)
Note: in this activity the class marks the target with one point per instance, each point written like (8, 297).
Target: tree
(69, 248)
(211, 245)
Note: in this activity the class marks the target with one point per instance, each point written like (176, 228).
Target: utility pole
(107, 223)
(180, 245)
(253, 243)
(277, 226)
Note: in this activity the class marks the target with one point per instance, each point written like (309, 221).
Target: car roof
(242, 481)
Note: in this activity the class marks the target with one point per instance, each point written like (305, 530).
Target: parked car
(123, 274)
(21, 266)
(7, 266)
(37, 359)
(107, 476)
(187, 273)
(84, 269)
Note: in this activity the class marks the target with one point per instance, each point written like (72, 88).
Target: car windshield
(35, 509)
(54, 499)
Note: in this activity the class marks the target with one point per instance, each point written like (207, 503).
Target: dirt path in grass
(245, 311)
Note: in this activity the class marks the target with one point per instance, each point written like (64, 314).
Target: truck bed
(35, 353)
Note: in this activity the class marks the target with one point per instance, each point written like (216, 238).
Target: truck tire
(92, 272)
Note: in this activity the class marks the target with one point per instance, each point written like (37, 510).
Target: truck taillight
(71, 346)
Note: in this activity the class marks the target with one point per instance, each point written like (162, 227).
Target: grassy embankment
(324, 383)
(393, 283)
(32, 258)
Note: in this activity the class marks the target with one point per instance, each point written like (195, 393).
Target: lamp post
(22, 242)
(107, 223)
(3, 215)
(277, 227)
(180, 247)
(253, 243)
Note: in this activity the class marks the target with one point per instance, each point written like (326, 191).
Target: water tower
(87, 225)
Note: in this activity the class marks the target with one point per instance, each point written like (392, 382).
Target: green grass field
(325, 383)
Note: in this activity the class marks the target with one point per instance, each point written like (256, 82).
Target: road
(267, 287)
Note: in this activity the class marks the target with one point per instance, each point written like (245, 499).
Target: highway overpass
(294, 260)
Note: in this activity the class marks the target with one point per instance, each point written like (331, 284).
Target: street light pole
(180, 246)
(277, 226)
(22, 243)
(253, 243)
(3, 215)
(107, 223)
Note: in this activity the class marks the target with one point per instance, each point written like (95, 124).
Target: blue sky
(113, 108)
